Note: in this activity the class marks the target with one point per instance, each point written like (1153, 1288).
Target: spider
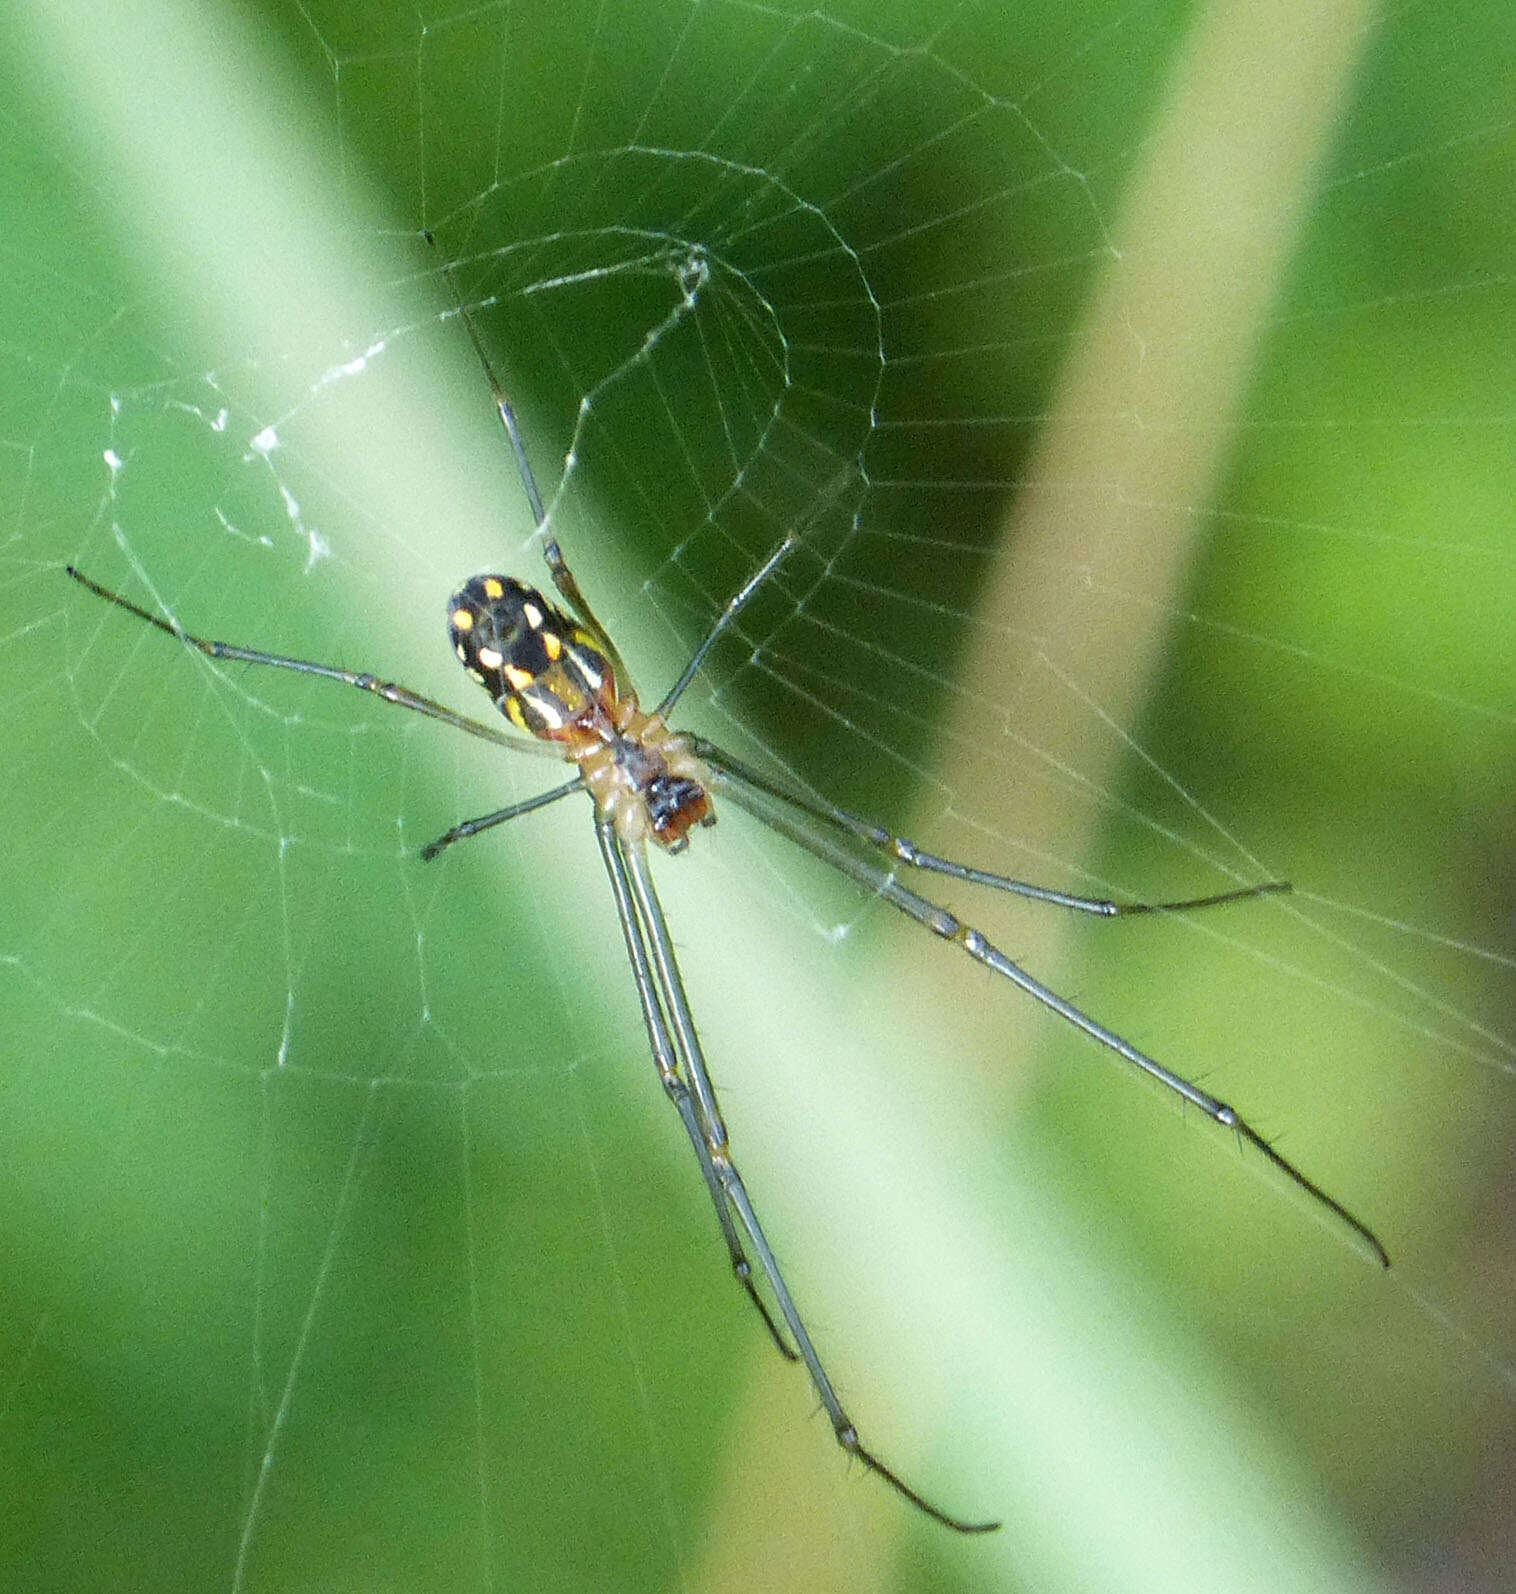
(557, 677)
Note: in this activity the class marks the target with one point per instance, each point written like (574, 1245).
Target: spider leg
(558, 566)
(472, 827)
(401, 696)
(905, 851)
(795, 820)
(503, 404)
(734, 607)
(628, 869)
(827, 495)
(667, 1063)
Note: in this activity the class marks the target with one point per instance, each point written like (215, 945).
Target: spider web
(1135, 387)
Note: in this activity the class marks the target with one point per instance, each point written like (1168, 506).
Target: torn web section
(277, 958)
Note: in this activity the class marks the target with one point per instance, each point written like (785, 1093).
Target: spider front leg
(662, 990)
(667, 1063)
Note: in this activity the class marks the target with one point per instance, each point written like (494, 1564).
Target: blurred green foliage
(345, 1242)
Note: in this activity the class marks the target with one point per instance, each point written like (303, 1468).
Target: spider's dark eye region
(540, 666)
(673, 805)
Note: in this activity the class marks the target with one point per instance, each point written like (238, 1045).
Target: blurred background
(1136, 388)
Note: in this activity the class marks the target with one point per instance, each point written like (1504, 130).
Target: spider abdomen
(543, 669)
